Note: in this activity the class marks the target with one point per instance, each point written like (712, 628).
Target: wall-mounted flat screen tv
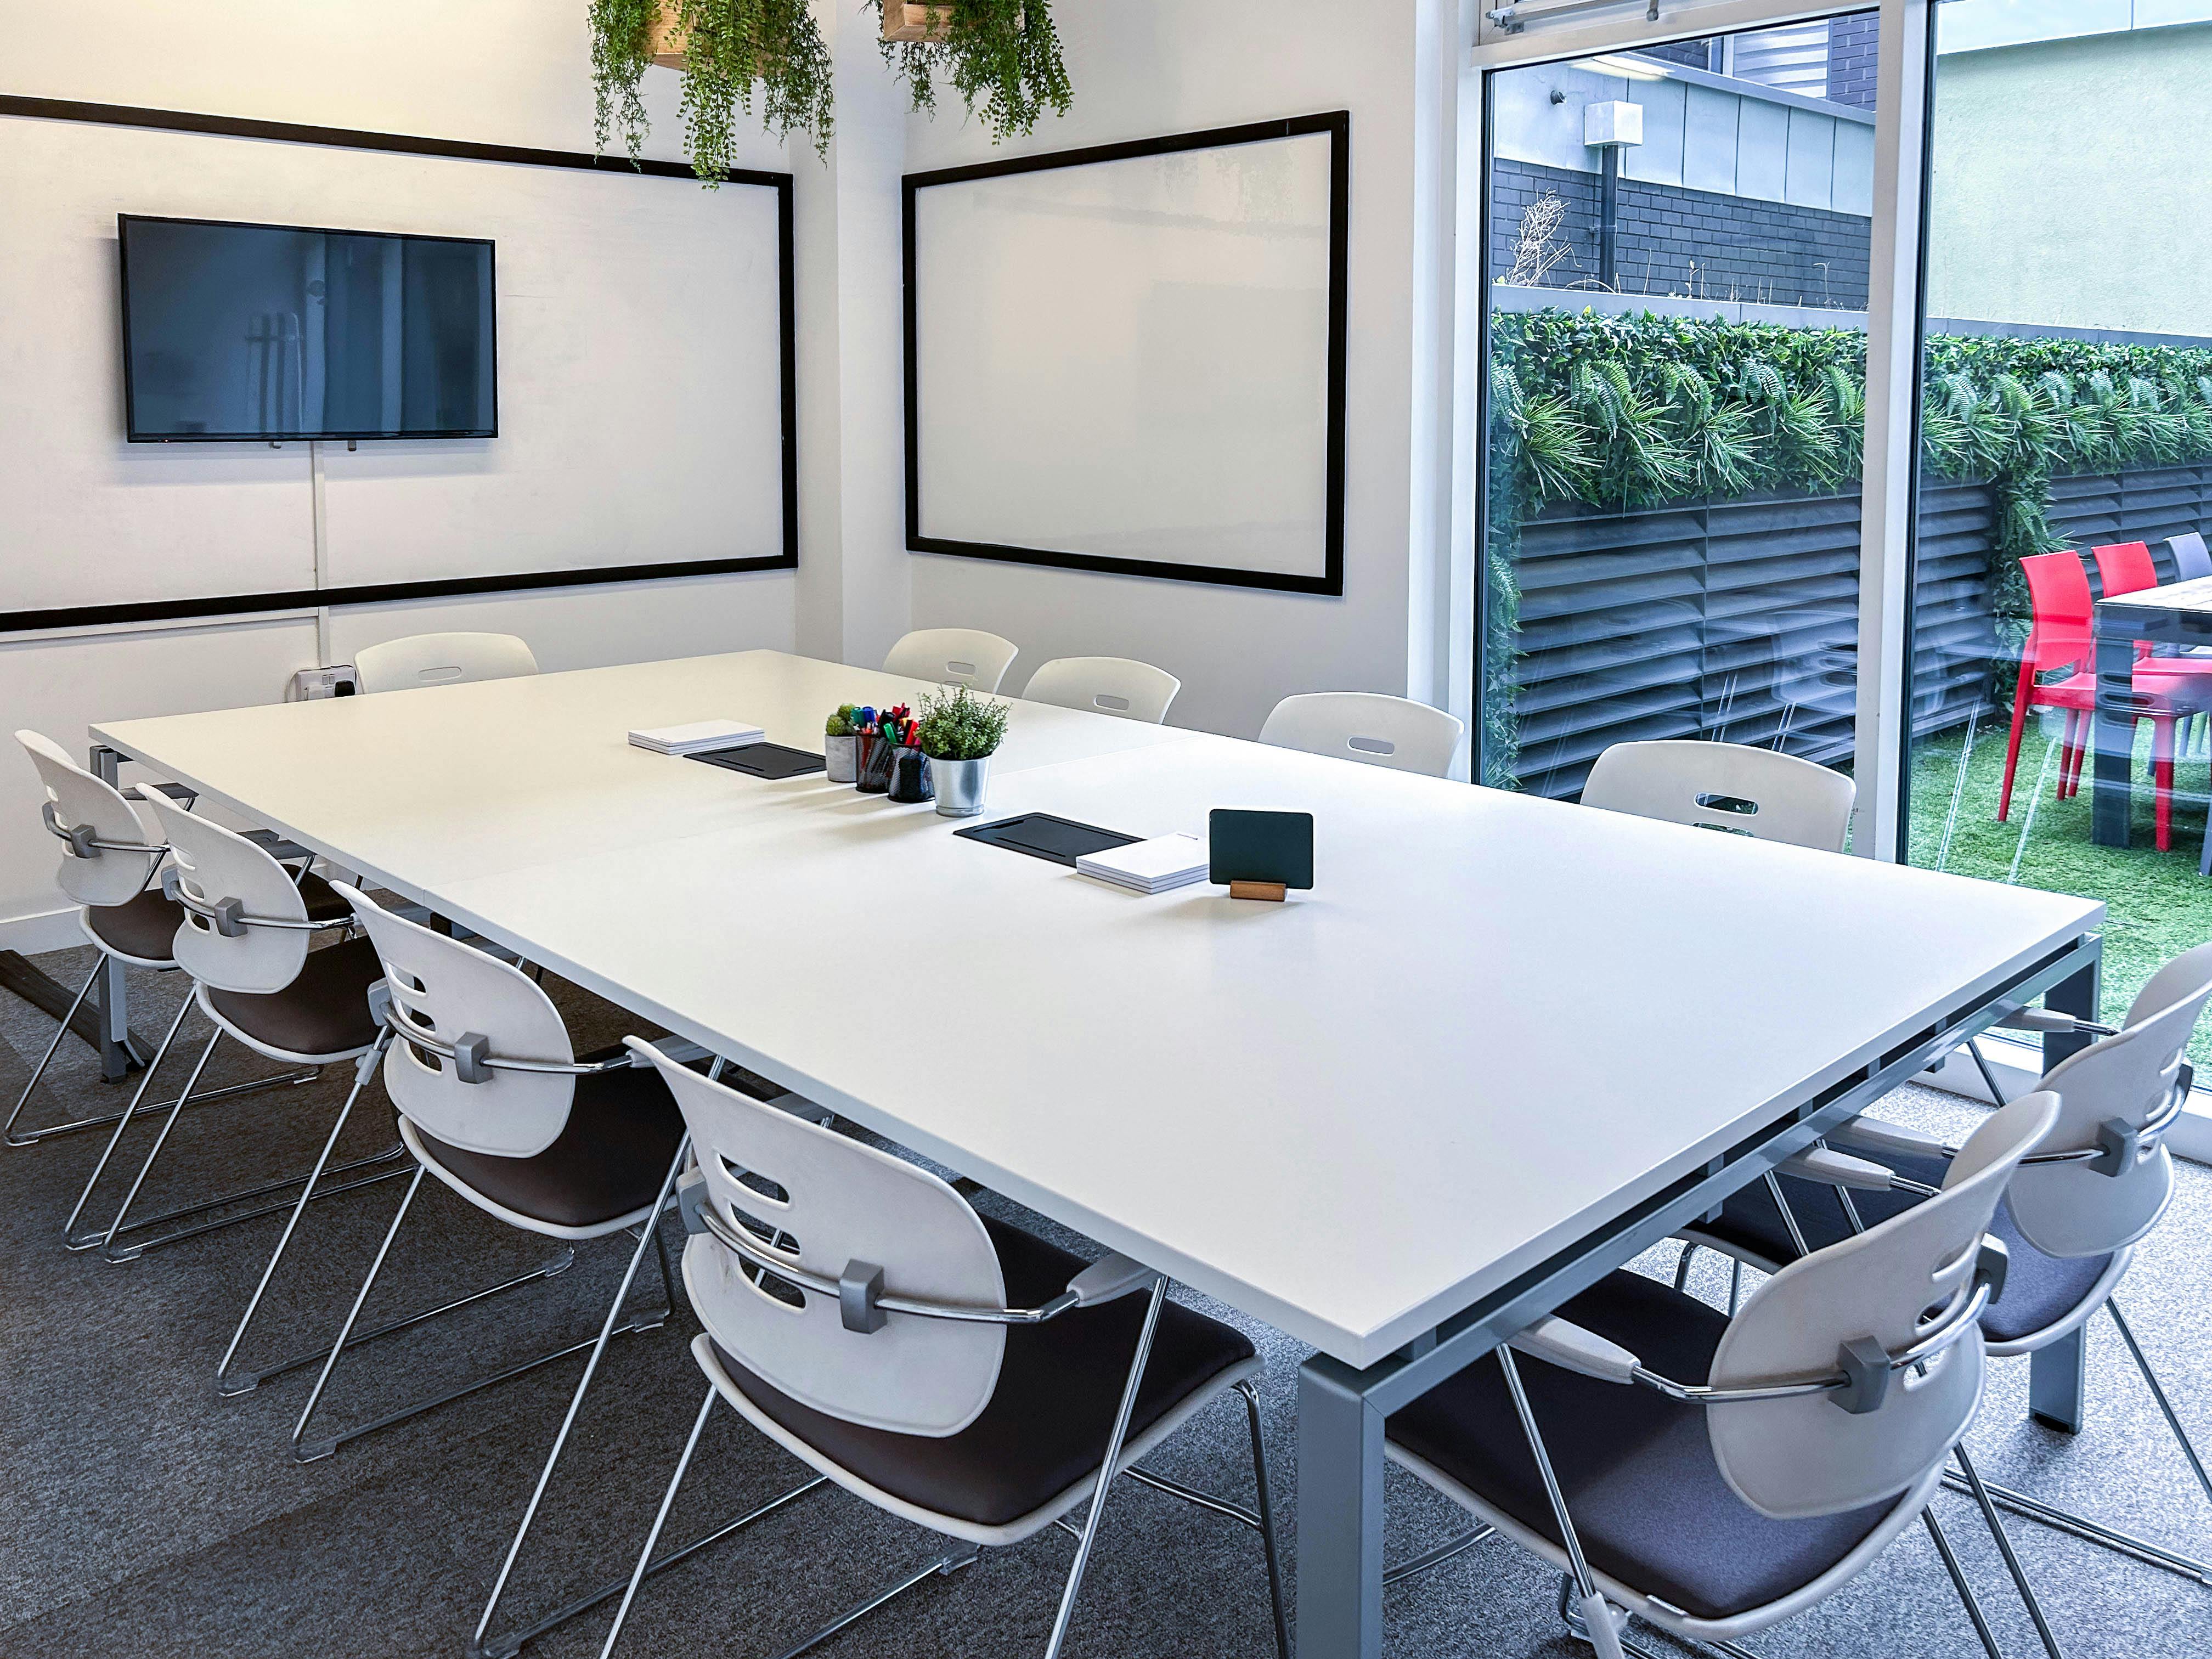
(235, 331)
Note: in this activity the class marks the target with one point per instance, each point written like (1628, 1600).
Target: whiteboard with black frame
(1131, 358)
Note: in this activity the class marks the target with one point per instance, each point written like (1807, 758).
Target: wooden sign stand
(1274, 891)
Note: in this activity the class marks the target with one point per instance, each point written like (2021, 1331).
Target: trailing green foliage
(730, 46)
(1002, 56)
(1627, 412)
(960, 723)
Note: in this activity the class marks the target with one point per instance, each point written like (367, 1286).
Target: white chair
(494, 1102)
(109, 860)
(1759, 792)
(1366, 726)
(242, 935)
(958, 1372)
(1119, 686)
(1715, 1476)
(442, 659)
(2070, 1219)
(953, 656)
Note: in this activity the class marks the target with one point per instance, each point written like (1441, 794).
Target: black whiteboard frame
(1337, 123)
(243, 605)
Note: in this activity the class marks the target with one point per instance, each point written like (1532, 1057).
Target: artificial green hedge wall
(1647, 411)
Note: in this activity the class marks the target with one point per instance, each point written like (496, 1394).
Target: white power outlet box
(336, 681)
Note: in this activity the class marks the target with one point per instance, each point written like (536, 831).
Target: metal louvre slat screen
(1738, 620)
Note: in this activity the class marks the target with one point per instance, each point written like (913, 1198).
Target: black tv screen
(236, 332)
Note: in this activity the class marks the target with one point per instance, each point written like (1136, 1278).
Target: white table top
(422, 787)
(1496, 1023)
(2195, 595)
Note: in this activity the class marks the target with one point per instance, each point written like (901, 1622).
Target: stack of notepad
(699, 736)
(1149, 866)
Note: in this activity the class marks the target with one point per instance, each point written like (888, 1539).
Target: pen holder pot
(875, 766)
(842, 756)
(911, 780)
(960, 784)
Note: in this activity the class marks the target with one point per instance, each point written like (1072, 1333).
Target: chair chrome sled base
(961, 1554)
(304, 1450)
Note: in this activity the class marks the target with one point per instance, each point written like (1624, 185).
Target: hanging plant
(724, 48)
(1002, 56)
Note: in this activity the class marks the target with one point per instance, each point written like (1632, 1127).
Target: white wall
(516, 71)
(1144, 68)
(497, 71)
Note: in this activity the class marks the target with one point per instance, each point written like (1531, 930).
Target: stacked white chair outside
(1121, 686)
(962, 1374)
(953, 656)
(2071, 1219)
(1369, 726)
(1760, 792)
(1716, 1475)
(493, 1102)
(423, 659)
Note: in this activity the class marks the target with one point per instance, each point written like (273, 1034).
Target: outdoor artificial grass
(2157, 905)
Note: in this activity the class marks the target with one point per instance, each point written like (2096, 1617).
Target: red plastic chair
(2060, 639)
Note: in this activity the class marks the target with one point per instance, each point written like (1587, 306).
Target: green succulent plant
(959, 723)
(843, 722)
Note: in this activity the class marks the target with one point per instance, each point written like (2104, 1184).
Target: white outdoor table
(1504, 1046)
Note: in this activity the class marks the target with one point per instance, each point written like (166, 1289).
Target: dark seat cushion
(611, 1156)
(145, 927)
(323, 1012)
(1047, 1424)
(2039, 1290)
(1647, 1498)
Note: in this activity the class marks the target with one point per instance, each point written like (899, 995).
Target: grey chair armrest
(1111, 1276)
(1834, 1168)
(1871, 1134)
(1563, 1343)
(2051, 1020)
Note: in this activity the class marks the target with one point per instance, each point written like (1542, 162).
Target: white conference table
(1504, 1045)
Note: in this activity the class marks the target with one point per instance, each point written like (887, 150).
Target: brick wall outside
(1769, 252)
(1851, 46)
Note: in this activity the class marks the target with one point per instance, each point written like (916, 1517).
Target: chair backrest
(451, 992)
(1366, 726)
(81, 799)
(953, 656)
(2124, 568)
(823, 1203)
(1759, 792)
(215, 864)
(1810, 1456)
(1106, 685)
(442, 659)
(2058, 602)
(2078, 1209)
(2192, 562)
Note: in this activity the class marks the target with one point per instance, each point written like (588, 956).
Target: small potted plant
(960, 730)
(841, 742)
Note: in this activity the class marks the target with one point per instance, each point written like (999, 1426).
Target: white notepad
(699, 735)
(1157, 865)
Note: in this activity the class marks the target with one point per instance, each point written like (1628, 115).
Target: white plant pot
(843, 755)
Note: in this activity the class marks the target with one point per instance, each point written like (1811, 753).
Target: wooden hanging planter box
(668, 43)
(914, 20)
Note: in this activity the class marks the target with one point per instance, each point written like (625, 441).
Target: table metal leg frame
(1342, 1410)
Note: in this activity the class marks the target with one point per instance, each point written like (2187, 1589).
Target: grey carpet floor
(140, 1515)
